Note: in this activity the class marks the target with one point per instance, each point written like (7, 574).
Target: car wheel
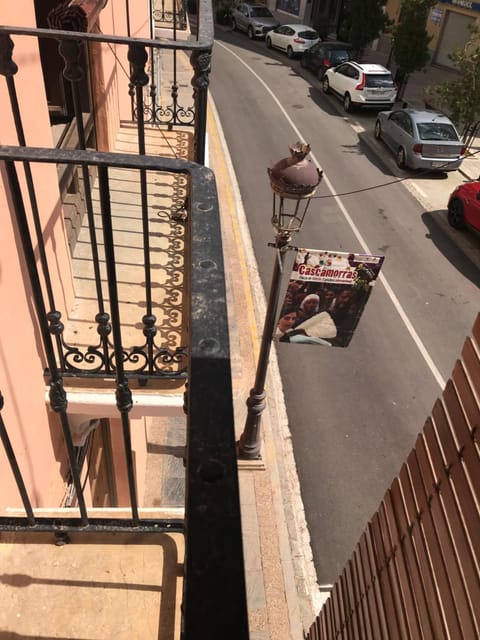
(250, 33)
(401, 158)
(326, 85)
(347, 103)
(456, 214)
(234, 24)
(320, 73)
(290, 52)
(378, 130)
(269, 42)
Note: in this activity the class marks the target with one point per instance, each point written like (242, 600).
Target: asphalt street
(353, 413)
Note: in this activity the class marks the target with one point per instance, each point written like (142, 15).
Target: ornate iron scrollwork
(154, 111)
(148, 359)
(164, 17)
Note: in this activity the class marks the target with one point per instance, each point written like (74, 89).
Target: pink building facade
(33, 426)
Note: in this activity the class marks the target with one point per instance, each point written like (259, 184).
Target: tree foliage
(410, 39)
(462, 97)
(362, 21)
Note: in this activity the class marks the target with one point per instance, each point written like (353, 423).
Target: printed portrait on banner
(326, 295)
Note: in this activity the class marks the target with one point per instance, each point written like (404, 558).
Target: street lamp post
(294, 181)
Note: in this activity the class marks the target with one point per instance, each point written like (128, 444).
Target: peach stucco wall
(111, 67)
(34, 430)
(21, 355)
(138, 434)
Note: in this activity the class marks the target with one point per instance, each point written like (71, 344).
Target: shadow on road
(322, 101)
(461, 249)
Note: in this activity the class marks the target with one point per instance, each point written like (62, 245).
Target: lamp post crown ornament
(295, 177)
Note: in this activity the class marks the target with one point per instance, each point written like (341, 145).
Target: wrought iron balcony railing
(173, 14)
(179, 194)
(211, 476)
(159, 349)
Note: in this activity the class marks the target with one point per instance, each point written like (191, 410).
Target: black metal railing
(212, 526)
(160, 353)
(213, 557)
(155, 89)
(171, 14)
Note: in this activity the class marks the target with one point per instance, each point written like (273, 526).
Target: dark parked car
(464, 206)
(324, 55)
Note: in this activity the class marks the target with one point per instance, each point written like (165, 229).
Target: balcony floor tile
(124, 586)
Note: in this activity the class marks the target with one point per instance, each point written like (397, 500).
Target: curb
(302, 592)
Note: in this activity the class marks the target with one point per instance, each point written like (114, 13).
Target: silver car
(255, 19)
(421, 139)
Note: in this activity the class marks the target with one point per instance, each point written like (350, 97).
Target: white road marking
(395, 301)
(356, 126)
(420, 191)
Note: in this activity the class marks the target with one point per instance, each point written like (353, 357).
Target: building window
(290, 6)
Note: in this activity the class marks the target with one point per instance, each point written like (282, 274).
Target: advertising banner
(326, 296)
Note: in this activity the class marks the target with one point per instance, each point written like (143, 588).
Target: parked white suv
(361, 85)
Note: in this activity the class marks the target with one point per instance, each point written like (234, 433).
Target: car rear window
(338, 56)
(379, 80)
(261, 12)
(308, 35)
(436, 131)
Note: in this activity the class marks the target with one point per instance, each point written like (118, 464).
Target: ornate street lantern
(294, 181)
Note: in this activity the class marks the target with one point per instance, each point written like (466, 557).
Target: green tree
(362, 21)
(462, 97)
(410, 40)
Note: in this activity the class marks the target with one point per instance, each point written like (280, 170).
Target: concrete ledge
(102, 404)
(251, 465)
(146, 513)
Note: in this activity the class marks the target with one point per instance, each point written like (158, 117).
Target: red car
(464, 206)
